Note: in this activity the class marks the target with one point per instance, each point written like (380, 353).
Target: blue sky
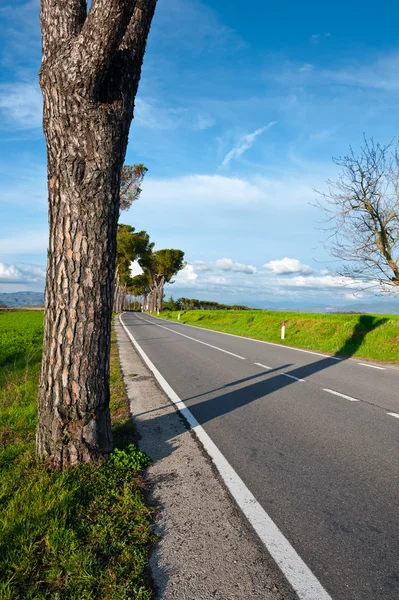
(239, 112)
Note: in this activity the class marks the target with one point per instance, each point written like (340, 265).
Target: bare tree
(362, 209)
(90, 72)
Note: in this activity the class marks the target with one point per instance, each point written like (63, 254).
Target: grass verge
(83, 534)
(374, 337)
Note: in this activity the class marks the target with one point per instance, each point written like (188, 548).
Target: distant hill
(19, 299)
(378, 307)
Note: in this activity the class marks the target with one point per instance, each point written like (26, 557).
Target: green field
(374, 337)
(79, 535)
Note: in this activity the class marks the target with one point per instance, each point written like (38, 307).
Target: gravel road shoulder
(207, 548)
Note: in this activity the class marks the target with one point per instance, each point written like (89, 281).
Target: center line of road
(372, 366)
(341, 395)
(260, 365)
(393, 415)
(292, 377)
(194, 339)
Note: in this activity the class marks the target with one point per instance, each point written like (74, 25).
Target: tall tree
(131, 180)
(362, 209)
(161, 266)
(90, 72)
(140, 286)
(130, 246)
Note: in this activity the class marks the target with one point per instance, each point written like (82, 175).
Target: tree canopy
(159, 267)
(131, 180)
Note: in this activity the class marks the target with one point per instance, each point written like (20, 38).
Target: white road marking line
(292, 377)
(341, 395)
(260, 365)
(301, 578)
(393, 415)
(372, 366)
(243, 337)
(194, 339)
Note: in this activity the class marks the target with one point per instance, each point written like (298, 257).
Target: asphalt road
(315, 439)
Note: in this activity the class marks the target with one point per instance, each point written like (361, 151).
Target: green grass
(374, 337)
(83, 534)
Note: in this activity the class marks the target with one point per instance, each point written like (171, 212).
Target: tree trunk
(89, 77)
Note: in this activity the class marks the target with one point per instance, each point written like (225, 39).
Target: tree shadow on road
(212, 404)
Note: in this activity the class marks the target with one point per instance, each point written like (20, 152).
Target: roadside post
(283, 330)
(178, 317)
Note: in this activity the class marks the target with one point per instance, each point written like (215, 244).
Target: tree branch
(60, 21)
(103, 31)
(134, 43)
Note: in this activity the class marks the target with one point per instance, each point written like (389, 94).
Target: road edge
(300, 577)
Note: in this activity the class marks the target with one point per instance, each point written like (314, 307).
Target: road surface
(314, 438)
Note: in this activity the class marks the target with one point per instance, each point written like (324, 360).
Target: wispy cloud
(151, 114)
(245, 144)
(316, 37)
(305, 68)
(24, 244)
(201, 190)
(21, 106)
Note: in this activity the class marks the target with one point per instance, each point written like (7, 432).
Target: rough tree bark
(89, 77)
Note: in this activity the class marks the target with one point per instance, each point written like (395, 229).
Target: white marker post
(178, 317)
(158, 312)
(282, 330)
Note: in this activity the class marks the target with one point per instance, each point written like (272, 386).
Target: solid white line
(243, 337)
(260, 365)
(394, 415)
(292, 377)
(372, 366)
(341, 395)
(301, 578)
(194, 339)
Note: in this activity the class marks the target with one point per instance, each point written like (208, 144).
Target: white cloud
(186, 275)
(353, 296)
(201, 190)
(21, 273)
(245, 144)
(323, 282)
(287, 266)
(21, 105)
(223, 264)
(227, 264)
(135, 269)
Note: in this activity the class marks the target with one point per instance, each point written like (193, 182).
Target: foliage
(171, 304)
(194, 304)
(130, 246)
(374, 337)
(83, 533)
(159, 267)
(131, 180)
(140, 285)
(129, 458)
(362, 209)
